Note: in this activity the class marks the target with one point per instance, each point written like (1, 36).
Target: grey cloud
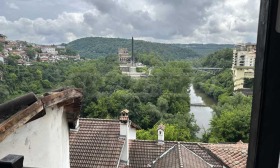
(12, 5)
(173, 18)
(182, 21)
(45, 31)
(32, 9)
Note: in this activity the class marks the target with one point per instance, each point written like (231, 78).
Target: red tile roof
(190, 159)
(233, 155)
(170, 158)
(142, 153)
(149, 153)
(95, 144)
(179, 156)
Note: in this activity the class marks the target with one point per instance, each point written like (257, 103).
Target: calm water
(203, 115)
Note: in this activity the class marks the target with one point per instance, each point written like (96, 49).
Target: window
(264, 142)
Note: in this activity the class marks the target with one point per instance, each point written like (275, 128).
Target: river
(202, 115)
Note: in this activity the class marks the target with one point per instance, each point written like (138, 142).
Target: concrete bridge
(206, 68)
(210, 70)
(198, 105)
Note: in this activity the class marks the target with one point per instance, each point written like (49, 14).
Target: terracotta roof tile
(190, 159)
(142, 153)
(201, 152)
(233, 155)
(149, 153)
(95, 144)
(168, 159)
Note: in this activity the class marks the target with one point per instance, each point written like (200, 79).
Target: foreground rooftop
(89, 142)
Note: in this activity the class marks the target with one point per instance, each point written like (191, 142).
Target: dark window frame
(264, 142)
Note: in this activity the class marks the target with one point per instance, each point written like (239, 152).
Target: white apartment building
(50, 50)
(244, 56)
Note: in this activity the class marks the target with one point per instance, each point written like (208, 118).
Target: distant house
(19, 53)
(2, 38)
(44, 58)
(60, 47)
(50, 50)
(20, 62)
(74, 57)
(48, 132)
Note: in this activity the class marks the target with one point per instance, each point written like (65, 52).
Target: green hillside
(205, 49)
(94, 47)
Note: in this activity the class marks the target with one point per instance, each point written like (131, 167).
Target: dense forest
(206, 49)
(231, 119)
(163, 97)
(95, 47)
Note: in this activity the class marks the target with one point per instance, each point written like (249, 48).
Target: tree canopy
(95, 47)
(231, 120)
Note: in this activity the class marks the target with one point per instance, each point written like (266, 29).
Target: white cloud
(66, 27)
(179, 21)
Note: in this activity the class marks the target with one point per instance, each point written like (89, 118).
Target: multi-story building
(244, 56)
(124, 57)
(2, 38)
(50, 50)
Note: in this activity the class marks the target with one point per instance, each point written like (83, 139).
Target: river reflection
(202, 115)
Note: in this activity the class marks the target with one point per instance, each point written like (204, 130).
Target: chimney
(161, 128)
(124, 134)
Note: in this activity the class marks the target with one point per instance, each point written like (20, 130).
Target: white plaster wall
(43, 142)
(132, 133)
(49, 50)
(124, 130)
(160, 135)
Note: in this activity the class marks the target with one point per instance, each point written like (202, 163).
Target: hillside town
(24, 53)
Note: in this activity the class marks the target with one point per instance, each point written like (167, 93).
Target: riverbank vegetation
(231, 121)
(162, 97)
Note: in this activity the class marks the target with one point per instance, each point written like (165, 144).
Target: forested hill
(94, 47)
(206, 49)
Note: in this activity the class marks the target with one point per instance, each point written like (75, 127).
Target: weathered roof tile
(95, 144)
(150, 154)
(233, 155)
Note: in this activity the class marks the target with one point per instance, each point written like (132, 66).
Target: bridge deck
(207, 68)
(198, 105)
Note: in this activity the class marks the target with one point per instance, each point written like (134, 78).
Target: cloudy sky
(168, 21)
